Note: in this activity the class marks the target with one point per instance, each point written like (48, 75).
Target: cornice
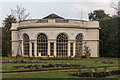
(74, 27)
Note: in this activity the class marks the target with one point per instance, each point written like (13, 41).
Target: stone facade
(55, 37)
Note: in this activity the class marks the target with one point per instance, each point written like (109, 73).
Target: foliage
(105, 68)
(8, 23)
(110, 37)
(95, 69)
(6, 35)
(86, 49)
(90, 73)
(79, 71)
(0, 41)
(98, 15)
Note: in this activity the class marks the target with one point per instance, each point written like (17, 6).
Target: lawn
(13, 64)
(57, 74)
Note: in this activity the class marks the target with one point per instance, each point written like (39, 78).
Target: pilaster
(48, 48)
(68, 49)
(35, 50)
(55, 48)
(30, 51)
(74, 48)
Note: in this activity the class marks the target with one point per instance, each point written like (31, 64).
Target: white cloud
(99, 0)
(56, 0)
(81, 11)
(89, 8)
(79, 8)
(1, 23)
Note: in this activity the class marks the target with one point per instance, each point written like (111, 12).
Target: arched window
(26, 44)
(42, 44)
(62, 42)
(79, 39)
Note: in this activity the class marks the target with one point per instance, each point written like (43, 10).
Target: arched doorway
(62, 45)
(42, 44)
(26, 44)
(79, 44)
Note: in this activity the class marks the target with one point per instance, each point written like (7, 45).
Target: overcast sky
(70, 9)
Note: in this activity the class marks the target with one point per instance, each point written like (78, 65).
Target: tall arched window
(79, 39)
(62, 42)
(42, 44)
(26, 44)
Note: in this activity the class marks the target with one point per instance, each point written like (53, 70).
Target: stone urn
(9, 55)
(87, 55)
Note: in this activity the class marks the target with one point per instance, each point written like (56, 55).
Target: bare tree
(20, 13)
(116, 7)
(119, 8)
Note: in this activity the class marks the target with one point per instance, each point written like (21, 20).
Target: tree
(6, 35)
(109, 33)
(0, 41)
(98, 15)
(19, 13)
(8, 23)
(109, 37)
(16, 16)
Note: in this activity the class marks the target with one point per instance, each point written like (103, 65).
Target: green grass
(114, 76)
(61, 74)
(57, 74)
(91, 62)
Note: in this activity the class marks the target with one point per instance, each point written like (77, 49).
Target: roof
(53, 16)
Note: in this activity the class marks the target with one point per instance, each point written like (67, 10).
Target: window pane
(62, 42)
(79, 44)
(42, 21)
(32, 49)
(42, 43)
(26, 44)
(61, 21)
(51, 49)
(71, 49)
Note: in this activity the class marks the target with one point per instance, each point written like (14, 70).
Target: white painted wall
(51, 33)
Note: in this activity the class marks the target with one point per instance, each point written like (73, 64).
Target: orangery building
(54, 36)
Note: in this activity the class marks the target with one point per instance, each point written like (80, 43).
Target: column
(30, 51)
(83, 44)
(35, 48)
(48, 48)
(22, 48)
(68, 49)
(74, 48)
(55, 48)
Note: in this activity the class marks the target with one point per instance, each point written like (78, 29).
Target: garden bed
(34, 64)
(96, 74)
(41, 67)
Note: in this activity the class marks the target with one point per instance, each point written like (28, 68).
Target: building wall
(94, 46)
(93, 41)
(52, 33)
(15, 39)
